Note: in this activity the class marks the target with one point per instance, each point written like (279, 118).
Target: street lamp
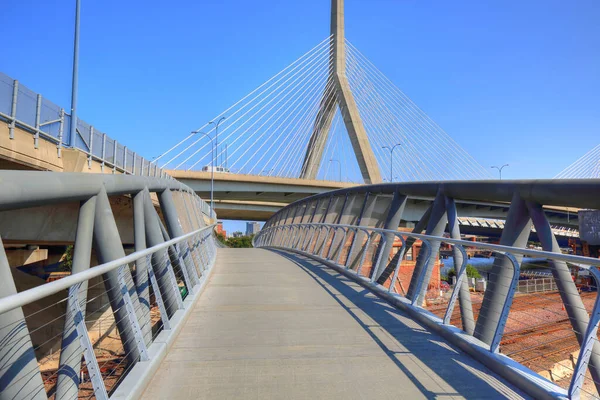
(338, 161)
(217, 134)
(212, 168)
(391, 149)
(75, 77)
(499, 169)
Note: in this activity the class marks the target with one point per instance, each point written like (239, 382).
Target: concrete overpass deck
(278, 325)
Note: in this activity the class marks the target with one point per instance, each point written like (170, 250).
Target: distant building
(237, 234)
(252, 228)
(220, 229)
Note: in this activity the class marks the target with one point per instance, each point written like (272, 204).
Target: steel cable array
(268, 131)
(587, 167)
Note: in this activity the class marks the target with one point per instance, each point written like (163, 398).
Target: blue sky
(512, 82)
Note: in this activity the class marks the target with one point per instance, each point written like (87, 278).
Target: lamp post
(217, 135)
(391, 149)
(212, 168)
(499, 169)
(338, 161)
(75, 78)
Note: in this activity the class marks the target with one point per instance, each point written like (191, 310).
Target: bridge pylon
(342, 97)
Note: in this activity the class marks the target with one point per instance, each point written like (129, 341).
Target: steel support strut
(141, 265)
(161, 264)
(392, 222)
(460, 264)
(20, 374)
(67, 384)
(515, 234)
(107, 243)
(424, 266)
(569, 294)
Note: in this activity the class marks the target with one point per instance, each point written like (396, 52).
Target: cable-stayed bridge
(341, 296)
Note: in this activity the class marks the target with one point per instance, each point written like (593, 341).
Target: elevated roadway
(278, 325)
(257, 197)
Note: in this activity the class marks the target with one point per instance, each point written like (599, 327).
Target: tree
(472, 272)
(66, 262)
(240, 242)
(221, 237)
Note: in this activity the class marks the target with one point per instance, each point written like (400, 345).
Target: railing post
(398, 264)
(61, 128)
(13, 110)
(364, 253)
(125, 160)
(114, 170)
(495, 345)
(103, 152)
(91, 147)
(89, 356)
(131, 317)
(164, 316)
(38, 110)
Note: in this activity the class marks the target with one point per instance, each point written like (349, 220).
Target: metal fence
(537, 285)
(83, 335)
(355, 231)
(22, 108)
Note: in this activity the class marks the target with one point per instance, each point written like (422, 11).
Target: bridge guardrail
(352, 230)
(21, 107)
(85, 333)
(319, 241)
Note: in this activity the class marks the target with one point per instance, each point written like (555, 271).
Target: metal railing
(543, 342)
(330, 242)
(82, 335)
(22, 108)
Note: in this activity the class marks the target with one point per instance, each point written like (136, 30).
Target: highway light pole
(212, 168)
(499, 169)
(338, 161)
(75, 78)
(217, 135)
(391, 149)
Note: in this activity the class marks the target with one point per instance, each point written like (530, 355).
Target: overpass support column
(569, 294)
(392, 222)
(107, 242)
(516, 233)
(175, 230)
(161, 265)
(424, 266)
(67, 384)
(20, 373)
(464, 295)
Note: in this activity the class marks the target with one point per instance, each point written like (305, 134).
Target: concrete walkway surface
(275, 325)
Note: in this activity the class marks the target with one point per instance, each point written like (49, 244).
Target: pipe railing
(295, 237)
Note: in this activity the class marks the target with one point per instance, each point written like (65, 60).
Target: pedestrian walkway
(275, 325)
